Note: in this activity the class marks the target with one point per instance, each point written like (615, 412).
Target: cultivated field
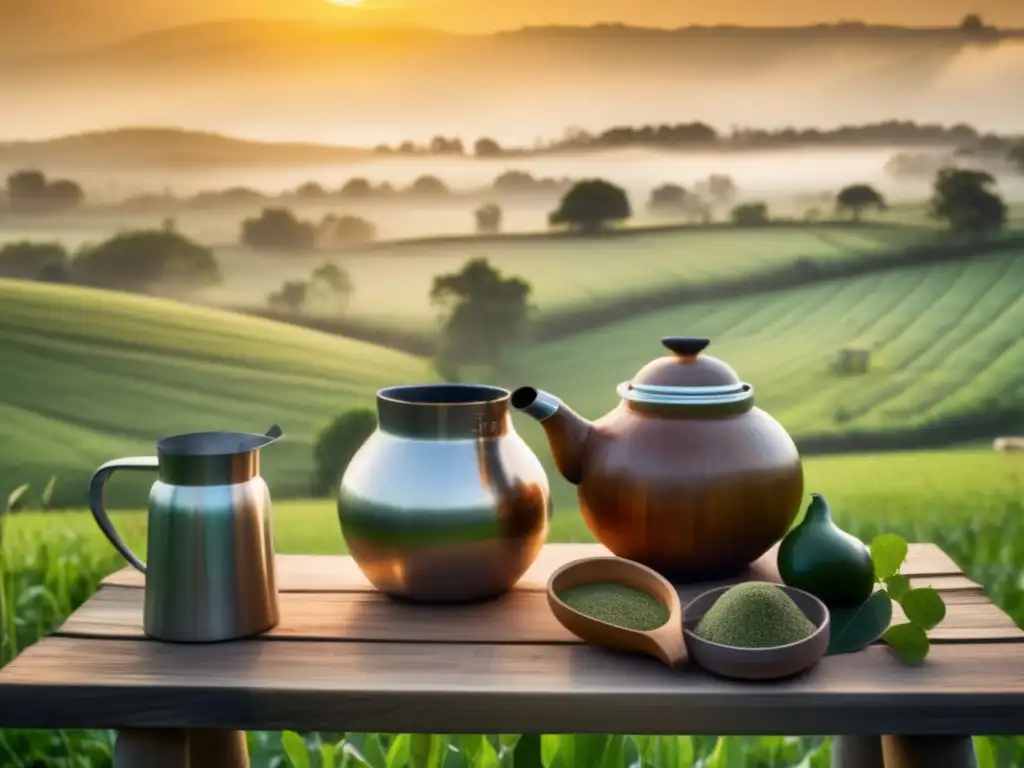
(92, 375)
(945, 340)
(392, 282)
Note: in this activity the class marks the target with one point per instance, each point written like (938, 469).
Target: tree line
(698, 134)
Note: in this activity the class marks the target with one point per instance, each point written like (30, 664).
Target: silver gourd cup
(444, 502)
(210, 548)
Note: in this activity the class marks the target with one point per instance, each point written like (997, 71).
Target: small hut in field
(853, 360)
(1009, 444)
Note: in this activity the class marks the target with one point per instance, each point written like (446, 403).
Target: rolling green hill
(946, 342)
(93, 375)
(392, 282)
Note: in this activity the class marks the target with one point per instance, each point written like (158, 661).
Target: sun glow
(346, 2)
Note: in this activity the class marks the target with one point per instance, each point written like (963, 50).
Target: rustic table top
(346, 658)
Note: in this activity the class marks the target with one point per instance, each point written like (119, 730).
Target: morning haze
(227, 214)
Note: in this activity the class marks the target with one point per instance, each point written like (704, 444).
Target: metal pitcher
(210, 550)
(444, 502)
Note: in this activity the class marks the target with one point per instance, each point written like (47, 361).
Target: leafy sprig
(923, 606)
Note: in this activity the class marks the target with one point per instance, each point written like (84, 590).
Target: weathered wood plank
(442, 688)
(520, 617)
(328, 573)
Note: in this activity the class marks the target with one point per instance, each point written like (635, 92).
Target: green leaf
(328, 753)
(373, 751)
(527, 753)
(589, 749)
(909, 641)
(46, 497)
(897, 586)
(888, 552)
(614, 753)
(295, 749)
(427, 751)
(855, 628)
(924, 607)
(557, 751)
(399, 751)
(985, 752)
(728, 753)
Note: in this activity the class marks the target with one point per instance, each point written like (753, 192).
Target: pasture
(967, 501)
(92, 375)
(392, 281)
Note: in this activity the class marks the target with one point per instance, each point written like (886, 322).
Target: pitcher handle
(97, 501)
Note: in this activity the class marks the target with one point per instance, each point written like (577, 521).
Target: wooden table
(345, 658)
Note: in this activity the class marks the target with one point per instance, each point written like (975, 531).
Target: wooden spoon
(664, 643)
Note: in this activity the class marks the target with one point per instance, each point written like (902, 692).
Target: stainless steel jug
(210, 549)
(444, 502)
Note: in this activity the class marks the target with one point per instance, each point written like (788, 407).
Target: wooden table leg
(929, 752)
(217, 749)
(151, 749)
(857, 752)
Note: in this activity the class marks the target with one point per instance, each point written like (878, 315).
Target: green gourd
(819, 557)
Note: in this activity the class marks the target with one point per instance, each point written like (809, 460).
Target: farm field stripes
(904, 317)
(92, 375)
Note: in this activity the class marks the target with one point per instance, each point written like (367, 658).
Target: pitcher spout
(566, 430)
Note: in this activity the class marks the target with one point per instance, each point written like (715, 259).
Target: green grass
(93, 375)
(967, 501)
(392, 284)
(946, 340)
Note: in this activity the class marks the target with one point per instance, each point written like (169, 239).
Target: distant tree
(278, 229)
(56, 272)
(357, 188)
(28, 261)
(514, 181)
(429, 186)
(26, 188)
(972, 22)
(1017, 154)
(64, 194)
(140, 261)
(721, 188)
(488, 219)
(335, 231)
(485, 314)
(487, 148)
(964, 200)
(290, 297)
(337, 444)
(750, 215)
(169, 225)
(330, 287)
(591, 205)
(856, 198)
(311, 191)
(444, 146)
(668, 198)
(30, 192)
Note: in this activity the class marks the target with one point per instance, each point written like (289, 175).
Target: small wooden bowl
(757, 663)
(664, 643)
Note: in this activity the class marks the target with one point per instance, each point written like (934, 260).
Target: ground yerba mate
(616, 604)
(755, 615)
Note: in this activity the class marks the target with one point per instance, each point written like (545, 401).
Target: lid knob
(685, 346)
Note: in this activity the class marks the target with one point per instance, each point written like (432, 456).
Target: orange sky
(479, 15)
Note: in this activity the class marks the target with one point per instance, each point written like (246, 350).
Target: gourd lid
(686, 377)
